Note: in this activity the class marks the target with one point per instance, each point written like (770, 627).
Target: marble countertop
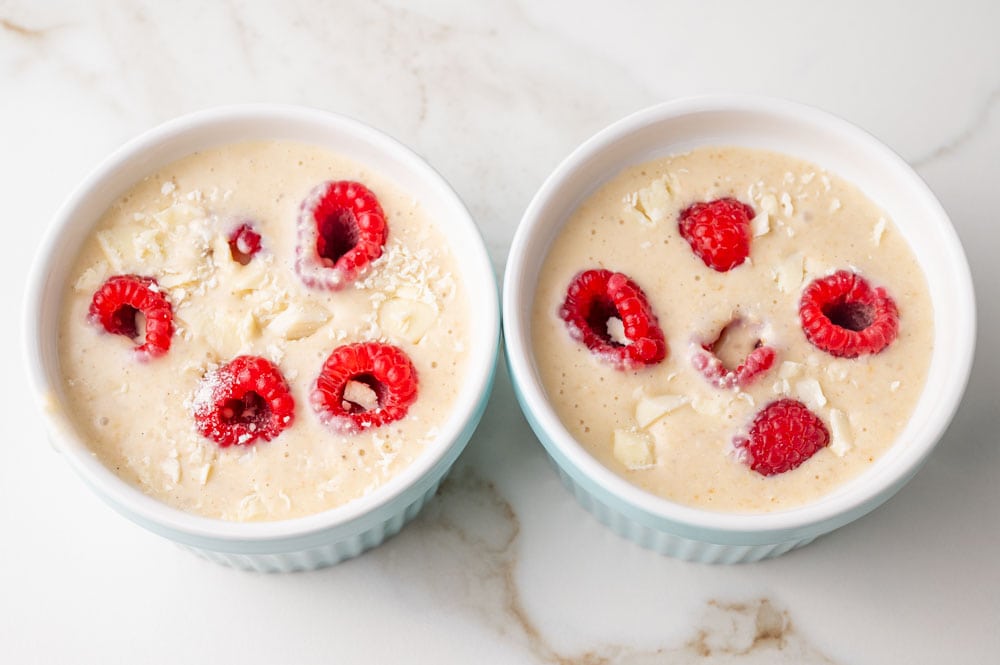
(504, 566)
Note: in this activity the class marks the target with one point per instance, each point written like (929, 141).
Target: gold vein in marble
(465, 546)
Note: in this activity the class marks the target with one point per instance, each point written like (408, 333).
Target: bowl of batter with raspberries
(736, 324)
(264, 332)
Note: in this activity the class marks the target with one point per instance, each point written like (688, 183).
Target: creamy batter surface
(809, 224)
(173, 226)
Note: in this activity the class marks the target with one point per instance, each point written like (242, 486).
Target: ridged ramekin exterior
(668, 543)
(323, 555)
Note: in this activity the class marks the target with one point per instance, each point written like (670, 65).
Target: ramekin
(720, 537)
(316, 540)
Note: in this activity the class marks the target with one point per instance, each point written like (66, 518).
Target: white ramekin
(324, 538)
(843, 149)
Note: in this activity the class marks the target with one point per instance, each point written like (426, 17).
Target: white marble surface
(504, 567)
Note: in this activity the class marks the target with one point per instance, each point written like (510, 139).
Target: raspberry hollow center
(244, 242)
(341, 231)
(611, 316)
(854, 316)
(736, 358)
(602, 317)
(134, 307)
(363, 393)
(337, 235)
(364, 385)
(736, 341)
(250, 410)
(126, 321)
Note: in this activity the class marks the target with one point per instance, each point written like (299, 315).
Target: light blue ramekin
(324, 538)
(717, 537)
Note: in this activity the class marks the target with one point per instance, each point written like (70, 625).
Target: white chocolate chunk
(251, 277)
(789, 273)
(147, 244)
(878, 231)
(789, 369)
(204, 472)
(179, 214)
(298, 321)
(405, 318)
(170, 280)
(361, 394)
(222, 253)
(616, 330)
(634, 449)
(842, 438)
(760, 224)
(834, 205)
(250, 506)
(90, 280)
(172, 468)
(653, 203)
(651, 409)
(838, 370)
(769, 204)
(655, 199)
(810, 392)
(186, 266)
(248, 329)
(111, 248)
(706, 406)
(894, 386)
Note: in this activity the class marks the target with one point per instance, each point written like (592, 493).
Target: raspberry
(243, 400)
(596, 296)
(718, 232)
(117, 305)
(384, 369)
(342, 229)
(244, 242)
(783, 435)
(843, 315)
(753, 366)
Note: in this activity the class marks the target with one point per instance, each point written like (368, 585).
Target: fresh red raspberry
(718, 232)
(244, 242)
(118, 303)
(596, 296)
(341, 230)
(783, 435)
(754, 365)
(843, 315)
(245, 399)
(383, 368)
